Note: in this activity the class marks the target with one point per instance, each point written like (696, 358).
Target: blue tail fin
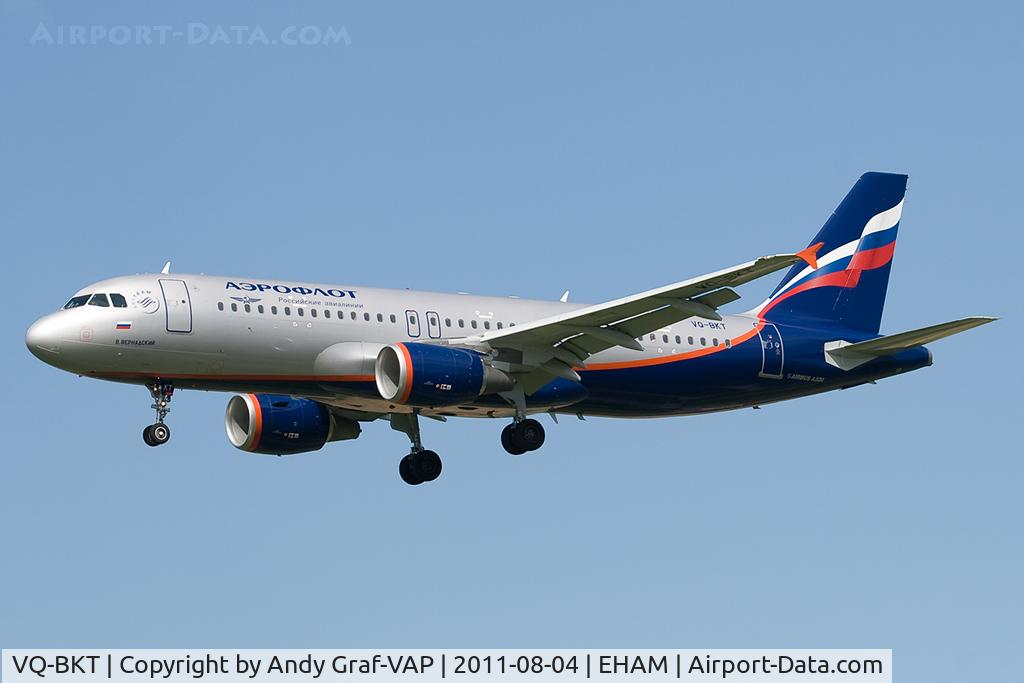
(847, 289)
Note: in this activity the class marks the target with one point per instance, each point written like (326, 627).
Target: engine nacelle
(428, 375)
(283, 425)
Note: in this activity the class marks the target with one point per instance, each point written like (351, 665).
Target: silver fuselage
(244, 334)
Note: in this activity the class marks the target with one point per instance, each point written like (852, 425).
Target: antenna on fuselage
(565, 296)
(166, 269)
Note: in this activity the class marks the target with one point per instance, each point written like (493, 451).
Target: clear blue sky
(521, 149)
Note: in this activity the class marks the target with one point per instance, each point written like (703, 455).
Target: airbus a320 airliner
(314, 361)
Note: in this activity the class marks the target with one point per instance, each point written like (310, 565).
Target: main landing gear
(522, 436)
(159, 433)
(421, 465)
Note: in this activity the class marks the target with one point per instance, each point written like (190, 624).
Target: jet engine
(283, 425)
(429, 375)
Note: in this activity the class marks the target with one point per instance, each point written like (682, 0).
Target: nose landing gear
(159, 433)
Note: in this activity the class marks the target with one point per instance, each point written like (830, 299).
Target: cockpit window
(118, 301)
(77, 301)
(99, 300)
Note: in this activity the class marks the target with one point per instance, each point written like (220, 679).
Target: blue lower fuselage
(782, 363)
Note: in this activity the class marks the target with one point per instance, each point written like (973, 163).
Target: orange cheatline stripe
(408, 374)
(661, 360)
(258, 411)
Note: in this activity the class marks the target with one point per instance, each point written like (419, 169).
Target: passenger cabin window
(462, 323)
(366, 317)
(248, 308)
(447, 322)
(273, 310)
(487, 324)
(703, 341)
(392, 318)
(234, 308)
(77, 301)
(312, 312)
(99, 300)
(327, 313)
(499, 326)
(118, 301)
(220, 305)
(689, 340)
(287, 310)
(353, 315)
(472, 323)
(678, 340)
(380, 317)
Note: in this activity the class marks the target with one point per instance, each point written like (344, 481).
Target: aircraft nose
(43, 339)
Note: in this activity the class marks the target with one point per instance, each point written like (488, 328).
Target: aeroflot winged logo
(287, 289)
(145, 300)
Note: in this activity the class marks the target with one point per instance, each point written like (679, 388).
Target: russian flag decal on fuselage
(127, 325)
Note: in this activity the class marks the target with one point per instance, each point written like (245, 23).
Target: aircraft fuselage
(256, 335)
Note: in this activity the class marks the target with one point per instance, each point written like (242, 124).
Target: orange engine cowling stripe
(258, 422)
(407, 389)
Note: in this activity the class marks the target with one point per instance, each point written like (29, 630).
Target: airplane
(310, 363)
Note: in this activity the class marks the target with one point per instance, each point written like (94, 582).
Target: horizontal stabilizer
(845, 355)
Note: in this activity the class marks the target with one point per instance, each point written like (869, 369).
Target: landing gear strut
(522, 436)
(159, 433)
(421, 465)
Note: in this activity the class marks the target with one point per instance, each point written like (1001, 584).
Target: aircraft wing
(553, 346)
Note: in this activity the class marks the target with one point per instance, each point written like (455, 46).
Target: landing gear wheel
(426, 465)
(159, 433)
(156, 434)
(405, 471)
(508, 440)
(418, 468)
(520, 437)
(530, 435)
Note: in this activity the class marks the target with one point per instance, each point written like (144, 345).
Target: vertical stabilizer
(847, 289)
